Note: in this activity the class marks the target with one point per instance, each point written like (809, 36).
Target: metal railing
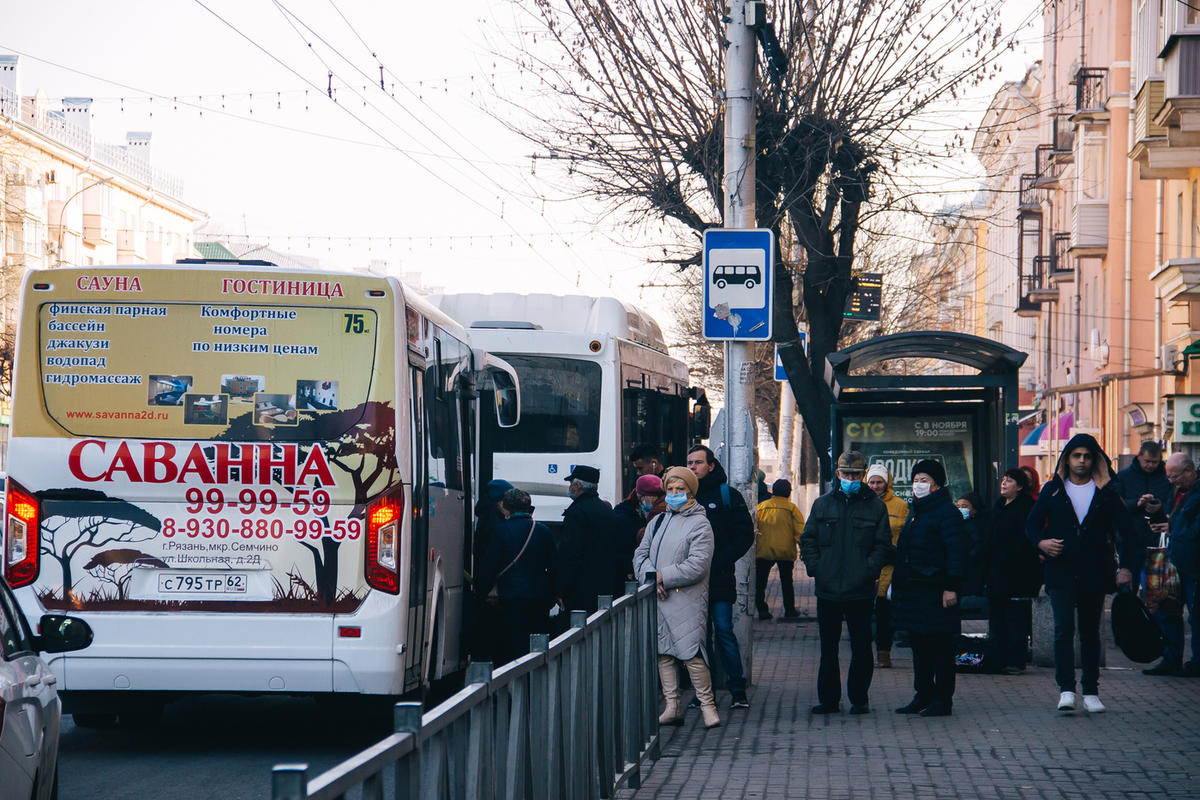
(56, 127)
(1091, 89)
(576, 717)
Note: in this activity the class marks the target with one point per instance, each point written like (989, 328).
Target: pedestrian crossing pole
(739, 212)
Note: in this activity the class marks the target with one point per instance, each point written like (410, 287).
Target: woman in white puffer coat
(678, 546)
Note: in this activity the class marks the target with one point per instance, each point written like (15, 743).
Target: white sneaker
(1066, 701)
(1092, 703)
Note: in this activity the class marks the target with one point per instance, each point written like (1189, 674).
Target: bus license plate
(221, 583)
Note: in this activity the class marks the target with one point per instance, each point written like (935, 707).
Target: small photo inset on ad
(242, 388)
(317, 395)
(205, 409)
(168, 390)
(275, 409)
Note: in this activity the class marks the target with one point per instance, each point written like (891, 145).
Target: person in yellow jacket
(879, 480)
(780, 524)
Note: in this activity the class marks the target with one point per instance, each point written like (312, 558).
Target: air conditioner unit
(1170, 358)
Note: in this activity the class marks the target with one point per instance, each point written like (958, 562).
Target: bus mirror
(701, 419)
(508, 400)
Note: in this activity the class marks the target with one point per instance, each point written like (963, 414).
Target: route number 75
(354, 323)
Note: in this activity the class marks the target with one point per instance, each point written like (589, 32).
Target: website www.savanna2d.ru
(147, 414)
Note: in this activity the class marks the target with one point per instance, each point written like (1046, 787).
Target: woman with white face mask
(678, 546)
(931, 563)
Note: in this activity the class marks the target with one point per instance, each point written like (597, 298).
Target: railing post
(406, 718)
(289, 782)
(648, 667)
(581, 722)
(600, 678)
(546, 715)
(482, 765)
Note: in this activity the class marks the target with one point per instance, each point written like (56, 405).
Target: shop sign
(1187, 418)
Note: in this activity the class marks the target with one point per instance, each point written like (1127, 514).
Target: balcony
(1091, 93)
(1027, 308)
(1178, 280)
(97, 230)
(131, 248)
(1089, 228)
(1039, 290)
(1063, 144)
(1028, 201)
(1047, 169)
(1176, 115)
(1062, 264)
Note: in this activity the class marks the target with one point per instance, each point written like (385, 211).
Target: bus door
(418, 575)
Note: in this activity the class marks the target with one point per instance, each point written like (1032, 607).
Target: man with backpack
(733, 533)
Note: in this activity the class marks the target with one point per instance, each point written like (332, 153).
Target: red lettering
(244, 463)
(154, 455)
(75, 459)
(315, 465)
(123, 462)
(195, 463)
(287, 462)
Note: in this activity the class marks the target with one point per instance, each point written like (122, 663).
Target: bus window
(560, 406)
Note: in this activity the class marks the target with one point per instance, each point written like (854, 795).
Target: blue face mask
(850, 487)
(677, 501)
(966, 512)
(647, 506)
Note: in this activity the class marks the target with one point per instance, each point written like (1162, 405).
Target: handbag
(1134, 631)
(1163, 590)
(494, 594)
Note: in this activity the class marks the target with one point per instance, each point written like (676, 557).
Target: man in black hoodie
(1145, 490)
(733, 533)
(1078, 515)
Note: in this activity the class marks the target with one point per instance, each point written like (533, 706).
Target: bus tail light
(20, 536)
(383, 543)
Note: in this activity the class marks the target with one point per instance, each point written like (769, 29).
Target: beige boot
(673, 713)
(702, 683)
(884, 660)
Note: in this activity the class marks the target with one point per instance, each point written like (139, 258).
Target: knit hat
(650, 484)
(684, 474)
(878, 470)
(933, 469)
(496, 489)
(852, 461)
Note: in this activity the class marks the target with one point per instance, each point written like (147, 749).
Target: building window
(1179, 226)
(1195, 226)
(1092, 180)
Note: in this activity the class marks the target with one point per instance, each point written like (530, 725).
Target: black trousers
(857, 614)
(518, 618)
(1009, 621)
(933, 666)
(762, 571)
(883, 624)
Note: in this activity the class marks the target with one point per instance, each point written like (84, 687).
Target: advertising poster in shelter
(899, 442)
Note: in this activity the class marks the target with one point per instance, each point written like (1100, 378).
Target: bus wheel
(99, 720)
(721, 284)
(750, 284)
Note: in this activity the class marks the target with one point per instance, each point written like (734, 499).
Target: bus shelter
(958, 406)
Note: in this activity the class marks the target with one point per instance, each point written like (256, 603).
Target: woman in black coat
(1013, 575)
(518, 564)
(931, 563)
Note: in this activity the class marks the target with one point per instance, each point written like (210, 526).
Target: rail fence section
(575, 718)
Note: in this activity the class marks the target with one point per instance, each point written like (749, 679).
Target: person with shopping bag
(1171, 570)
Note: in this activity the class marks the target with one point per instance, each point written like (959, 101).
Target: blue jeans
(726, 645)
(1065, 604)
(1172, 625)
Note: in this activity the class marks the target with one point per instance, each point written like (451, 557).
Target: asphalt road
(211, 746)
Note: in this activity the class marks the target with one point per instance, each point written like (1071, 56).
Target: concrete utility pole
(740, 432)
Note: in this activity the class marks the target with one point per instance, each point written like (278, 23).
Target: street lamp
(62, 212)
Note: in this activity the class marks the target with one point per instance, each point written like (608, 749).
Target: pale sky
(460, 205)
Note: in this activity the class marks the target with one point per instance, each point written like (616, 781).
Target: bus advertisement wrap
(900, 442)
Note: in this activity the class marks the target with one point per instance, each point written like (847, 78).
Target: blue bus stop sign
(739, 266)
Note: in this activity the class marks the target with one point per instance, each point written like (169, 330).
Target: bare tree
(633, 109)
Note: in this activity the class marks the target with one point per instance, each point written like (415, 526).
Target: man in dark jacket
(1145, 489)
(847, 540)
(1184, 547)
(587, 563)
(1078, 515)
(733, 534)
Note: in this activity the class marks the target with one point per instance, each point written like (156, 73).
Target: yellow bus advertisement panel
(201, 438)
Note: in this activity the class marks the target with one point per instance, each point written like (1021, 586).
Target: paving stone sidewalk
(1005, 739)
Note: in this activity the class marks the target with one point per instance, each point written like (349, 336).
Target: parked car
(30, 711)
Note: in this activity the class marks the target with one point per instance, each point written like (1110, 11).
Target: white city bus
(245, 479)
(596, 380)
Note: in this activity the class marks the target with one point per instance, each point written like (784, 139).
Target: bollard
(289, 782)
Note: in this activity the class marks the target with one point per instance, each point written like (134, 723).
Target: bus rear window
(560, 406)
(206, 371)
